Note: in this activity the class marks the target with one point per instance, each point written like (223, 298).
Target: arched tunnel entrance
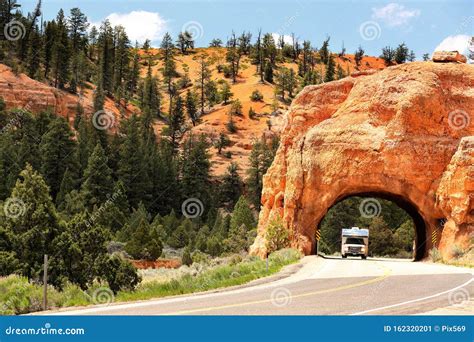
(395, 225)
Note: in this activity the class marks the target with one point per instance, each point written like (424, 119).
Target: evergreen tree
(57, 153)
(169, 65)
(195, 169)
(358, 55)
(33, 222)
(388, 55)
(144, 243)
(226, 93)
(34, 53)
(68, 183)
(231, 188)
(324, 52)
(132, 168)
(268, 72)
(61, 52)
(233, 56)
(222, 142)
(185, 41)
(204, 77)
(401, 54)
(97, 183)
(330, 69)
(191, 107)
(176, 122)
(151, 98)
(106, 52)
(186, 258)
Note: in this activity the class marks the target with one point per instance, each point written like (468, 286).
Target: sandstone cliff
(404, 133)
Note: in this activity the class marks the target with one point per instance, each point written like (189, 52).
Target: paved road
(324, 287)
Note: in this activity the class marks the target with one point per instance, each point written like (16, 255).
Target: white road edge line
(413, 300)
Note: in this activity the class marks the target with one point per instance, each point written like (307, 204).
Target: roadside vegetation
(463, 257)
(20, 296)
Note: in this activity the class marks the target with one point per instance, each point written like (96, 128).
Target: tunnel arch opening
(419, 224)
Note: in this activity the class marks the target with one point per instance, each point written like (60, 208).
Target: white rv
(355, 242)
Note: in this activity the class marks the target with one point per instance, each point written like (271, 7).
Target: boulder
(448, 56)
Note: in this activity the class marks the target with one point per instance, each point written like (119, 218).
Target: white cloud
(459, 43)
(394, 14)
(140, 25)
(286, 38)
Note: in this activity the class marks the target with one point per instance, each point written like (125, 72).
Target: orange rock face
(20, 91)
(448, 56)
(403, 133)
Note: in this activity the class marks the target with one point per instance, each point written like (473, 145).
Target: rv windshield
(354, 241)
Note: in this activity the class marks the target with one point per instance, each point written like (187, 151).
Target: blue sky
(422, 25)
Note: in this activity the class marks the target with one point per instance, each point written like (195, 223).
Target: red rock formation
(448, 56)
(395, 133)
(20, 91)
(160, 263)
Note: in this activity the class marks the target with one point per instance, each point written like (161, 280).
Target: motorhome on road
(355, 242)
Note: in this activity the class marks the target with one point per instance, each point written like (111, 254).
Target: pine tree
(324, 52)
(121, 63)
(176, 122)
(225, 93)
(185, 41)
(151, 97)
(61, 52)
(57, 152)
(204, 77)
(330, 69)
(358, 55)
(68, 183)
(195, 170)
(401, 54)
(233, 56)
(231, 188)
(268, 72)
(222, 142)
(97, 183)
(169, 65)
(78, 25)
(34, 225)
(34, 53)
(132, 169)
(106, 57)
(191, 107)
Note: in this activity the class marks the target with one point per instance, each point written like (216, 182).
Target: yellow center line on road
(387, 272)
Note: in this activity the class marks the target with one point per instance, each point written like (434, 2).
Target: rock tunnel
(404, 133)
(421, 243)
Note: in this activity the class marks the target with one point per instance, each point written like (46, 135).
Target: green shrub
(186, 259)
(256, 96)
(435, 255)
(457, 252)
(252, 113)
(276, 236)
